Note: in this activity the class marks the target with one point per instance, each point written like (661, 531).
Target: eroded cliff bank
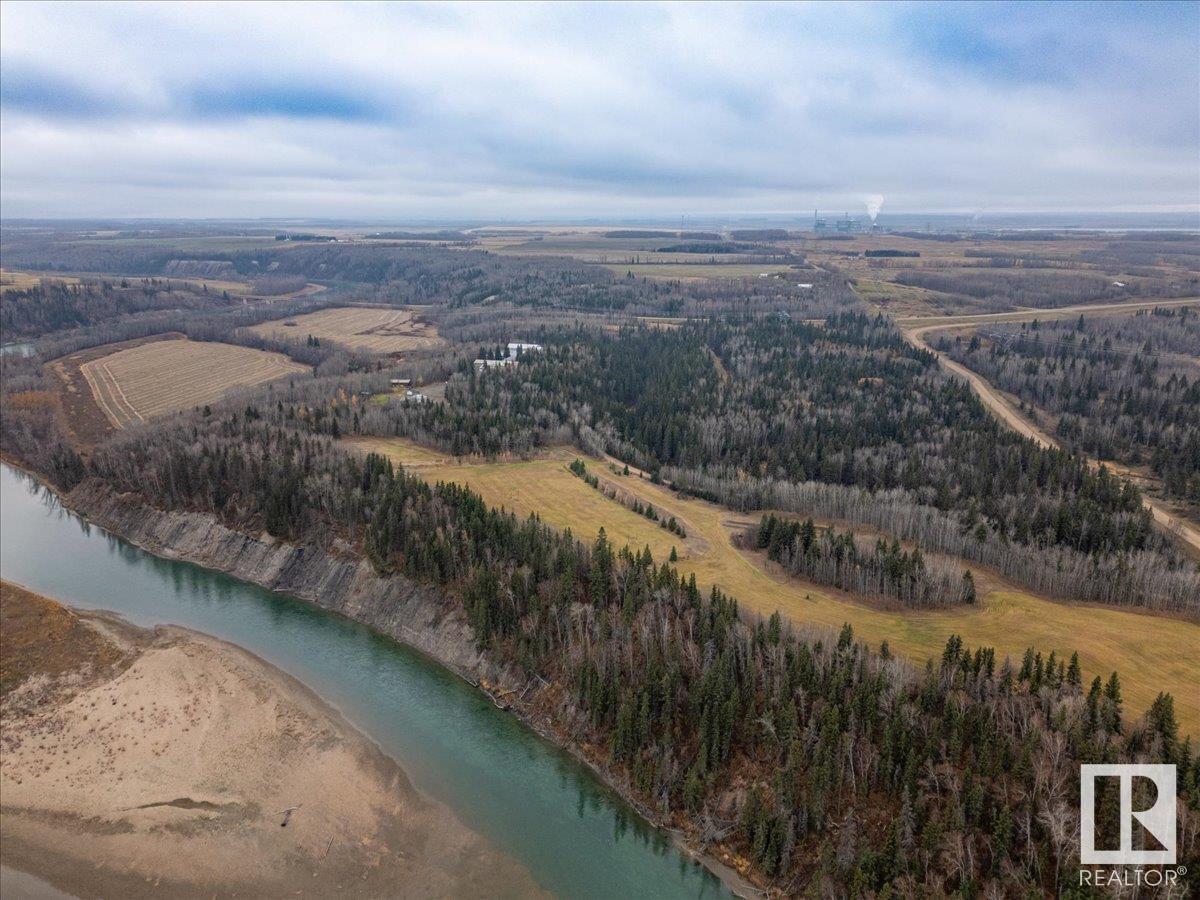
(418, 615)
(414, 614)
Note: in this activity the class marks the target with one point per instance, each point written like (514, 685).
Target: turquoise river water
(530, 799)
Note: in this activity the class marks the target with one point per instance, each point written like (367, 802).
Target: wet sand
(159, 763)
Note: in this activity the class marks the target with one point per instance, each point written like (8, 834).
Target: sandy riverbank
(157, 763)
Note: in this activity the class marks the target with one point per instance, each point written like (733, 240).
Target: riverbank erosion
(415, 614)
(139, 762)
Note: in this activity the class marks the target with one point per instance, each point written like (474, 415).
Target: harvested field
(371, 329)
(155, 379)
(84, 417)
(1152, 653)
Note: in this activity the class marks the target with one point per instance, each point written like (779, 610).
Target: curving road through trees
(915, 328)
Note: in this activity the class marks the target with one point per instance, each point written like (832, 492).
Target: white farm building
(515, 350)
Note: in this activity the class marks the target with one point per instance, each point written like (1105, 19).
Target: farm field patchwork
(162, 377)
(1151, 652)
(357, 327)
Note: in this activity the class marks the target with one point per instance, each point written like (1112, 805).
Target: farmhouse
(492, 363)
(515, 350)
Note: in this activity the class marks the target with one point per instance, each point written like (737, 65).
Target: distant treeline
(1116, 388)
(455, 278)
(760, 234)
(635, 233)
(708, 247)
(422, 236)
(808, 411)
(54, 305)
(891, 253)
(1001, 289)
(856, 773)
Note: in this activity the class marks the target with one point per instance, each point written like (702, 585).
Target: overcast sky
(520, 111)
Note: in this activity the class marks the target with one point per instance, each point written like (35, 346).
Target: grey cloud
(510, 110)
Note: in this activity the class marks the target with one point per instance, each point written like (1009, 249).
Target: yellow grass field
(23, 281)
(154, 379)
(357, 327)
(1152, 653)
(544, 486)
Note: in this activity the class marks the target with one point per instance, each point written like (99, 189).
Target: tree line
(866, 568)
(823, 762)
(762, 411)
(1124, 389)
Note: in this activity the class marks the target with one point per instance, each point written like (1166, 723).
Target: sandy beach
(160, 763)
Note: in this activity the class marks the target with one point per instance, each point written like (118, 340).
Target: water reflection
(532, 800)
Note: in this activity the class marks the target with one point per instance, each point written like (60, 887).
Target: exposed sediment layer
(417, 615)
(161, 763)
(409, 612)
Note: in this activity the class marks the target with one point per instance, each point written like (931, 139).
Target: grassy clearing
(902, 300)
(23, 281)
(154, 379)
(1152, 653)
(544, 486)
(360, 328)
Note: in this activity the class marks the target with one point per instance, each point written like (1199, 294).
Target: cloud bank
(513, 110)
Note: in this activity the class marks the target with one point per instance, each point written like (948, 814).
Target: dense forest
(410, 274)
(56, 305)
(826, 764)
(1124, 389)
(805, 417)
(998, 289)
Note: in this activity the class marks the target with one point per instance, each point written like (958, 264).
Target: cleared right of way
(915, 328)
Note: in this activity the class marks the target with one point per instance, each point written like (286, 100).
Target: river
(529, 798)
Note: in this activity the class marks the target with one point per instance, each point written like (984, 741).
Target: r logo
(1159, 819)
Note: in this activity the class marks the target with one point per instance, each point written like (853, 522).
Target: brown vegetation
(155, 379)
(82, 415)
(376, 330)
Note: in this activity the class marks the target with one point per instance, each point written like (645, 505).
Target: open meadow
(11, 280)
(162, 377)
(371, 329)
(914, 274)
(1151, 652)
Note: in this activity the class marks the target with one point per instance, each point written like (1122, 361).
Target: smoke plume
(874, 204)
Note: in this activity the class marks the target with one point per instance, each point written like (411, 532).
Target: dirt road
(915, 328)
(936, 323)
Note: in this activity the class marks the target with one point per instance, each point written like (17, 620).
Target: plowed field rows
(150, 380)
(360, 328)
